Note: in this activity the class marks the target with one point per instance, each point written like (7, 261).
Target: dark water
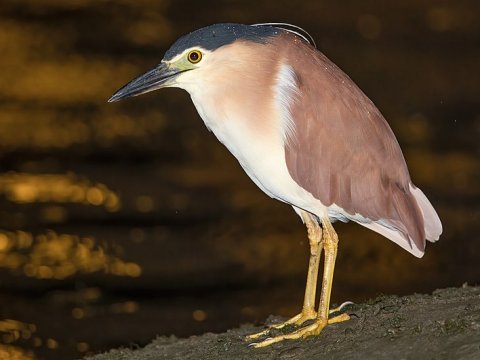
(120, 222)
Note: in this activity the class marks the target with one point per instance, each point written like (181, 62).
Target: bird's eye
(194, 56)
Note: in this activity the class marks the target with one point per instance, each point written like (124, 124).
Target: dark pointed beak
(154, 79)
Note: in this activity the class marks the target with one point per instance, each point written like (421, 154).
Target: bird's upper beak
(158, 77)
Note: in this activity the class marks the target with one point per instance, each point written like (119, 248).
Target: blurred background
(120, 222)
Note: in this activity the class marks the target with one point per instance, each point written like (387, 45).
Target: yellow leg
(330, 243)
(308, 309)
(316, 246)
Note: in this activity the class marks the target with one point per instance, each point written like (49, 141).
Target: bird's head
(194, 59)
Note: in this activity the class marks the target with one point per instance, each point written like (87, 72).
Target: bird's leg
(330, 243)
(331, 247)
(316, 245)
(308, 309)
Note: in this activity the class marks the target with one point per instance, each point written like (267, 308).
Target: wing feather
(346, 154)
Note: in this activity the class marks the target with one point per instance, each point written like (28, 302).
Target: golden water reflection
(46, 128)
(58, 256)
(9, 352)
(25, 188)
(12, 331)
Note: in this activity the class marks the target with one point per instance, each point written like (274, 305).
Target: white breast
(259, 149)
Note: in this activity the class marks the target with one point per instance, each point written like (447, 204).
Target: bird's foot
(298, 319)
(304, 316)
(310, 330)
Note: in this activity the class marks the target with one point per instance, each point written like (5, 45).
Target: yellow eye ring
(194, 56)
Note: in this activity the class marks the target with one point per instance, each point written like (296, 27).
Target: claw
(339, 308)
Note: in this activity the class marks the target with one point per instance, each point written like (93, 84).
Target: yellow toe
(298, 319)
(310, 330)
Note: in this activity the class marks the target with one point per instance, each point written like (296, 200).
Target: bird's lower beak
(154, 79)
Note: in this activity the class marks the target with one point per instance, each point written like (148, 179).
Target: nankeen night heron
(305, 134)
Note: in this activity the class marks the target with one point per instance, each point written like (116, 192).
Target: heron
(306, 135)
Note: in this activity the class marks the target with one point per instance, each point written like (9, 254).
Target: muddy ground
(444, 325)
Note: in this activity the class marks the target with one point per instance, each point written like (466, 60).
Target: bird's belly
(262, 156)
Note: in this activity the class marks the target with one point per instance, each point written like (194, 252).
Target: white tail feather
(396, 236)
(433, 225)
